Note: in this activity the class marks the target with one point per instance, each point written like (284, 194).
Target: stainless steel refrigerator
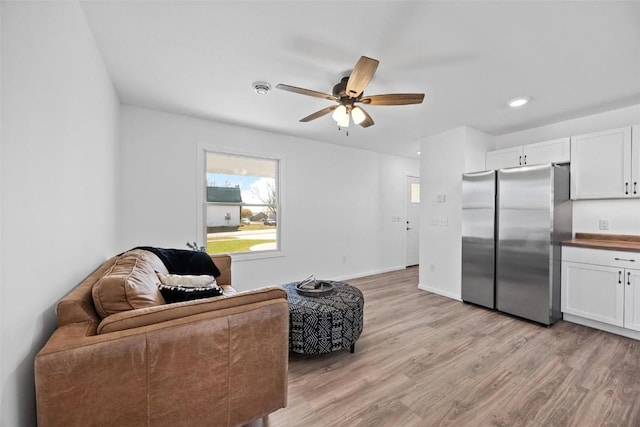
(532, 217)
(478, 238)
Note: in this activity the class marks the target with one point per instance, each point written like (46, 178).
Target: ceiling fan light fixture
(357, 115)
(344, 121)
(339, 113)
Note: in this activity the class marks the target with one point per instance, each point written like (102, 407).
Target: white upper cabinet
(605, 165)
(505, 158)
(635, 161)
(555, 151)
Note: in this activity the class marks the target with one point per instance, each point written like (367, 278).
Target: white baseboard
(602, 326)
(367, 273)
(440, 292)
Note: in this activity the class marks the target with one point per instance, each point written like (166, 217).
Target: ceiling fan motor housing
(340, 90)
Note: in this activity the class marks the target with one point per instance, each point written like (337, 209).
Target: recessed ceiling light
(418, 153)
(261, 88)
(518, 102)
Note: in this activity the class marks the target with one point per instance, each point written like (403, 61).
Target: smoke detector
(261, 88)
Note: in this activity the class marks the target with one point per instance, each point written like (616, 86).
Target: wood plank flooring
(426, 360)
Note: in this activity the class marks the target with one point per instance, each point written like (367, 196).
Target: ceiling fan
(350, 91)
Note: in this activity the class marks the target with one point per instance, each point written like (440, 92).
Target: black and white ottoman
(326, 323)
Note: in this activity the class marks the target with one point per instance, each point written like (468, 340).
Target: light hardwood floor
(426, 360)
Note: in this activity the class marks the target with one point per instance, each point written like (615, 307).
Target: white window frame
(201, 190)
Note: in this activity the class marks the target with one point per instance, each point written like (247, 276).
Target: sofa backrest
(223, 262)
(79, 305)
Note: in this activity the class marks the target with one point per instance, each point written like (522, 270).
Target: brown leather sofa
(219, 361)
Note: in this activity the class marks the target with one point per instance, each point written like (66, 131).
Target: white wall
(337, 202)
(445, 157)
(622, 214)
(58, 173)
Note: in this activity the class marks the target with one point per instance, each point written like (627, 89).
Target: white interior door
(412, 254)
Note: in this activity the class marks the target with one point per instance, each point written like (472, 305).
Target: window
(241, 203)
(415, 193)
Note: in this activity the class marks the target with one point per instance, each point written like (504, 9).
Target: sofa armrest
(180, 310)
(223, 367)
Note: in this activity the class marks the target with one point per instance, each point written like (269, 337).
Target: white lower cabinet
(632, 300)
(593, 292)
(601, 285)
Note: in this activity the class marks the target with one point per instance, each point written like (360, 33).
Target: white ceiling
(200, 58)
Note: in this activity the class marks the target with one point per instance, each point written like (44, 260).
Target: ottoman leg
(353, 348)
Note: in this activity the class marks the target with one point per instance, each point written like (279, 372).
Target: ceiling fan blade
(361, 76)
(393, 99)
(320, 113)
(368, 121)
(307, 92)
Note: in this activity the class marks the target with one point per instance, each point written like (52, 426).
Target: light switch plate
(603, 224)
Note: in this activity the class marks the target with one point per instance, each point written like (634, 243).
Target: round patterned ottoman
(326, 323)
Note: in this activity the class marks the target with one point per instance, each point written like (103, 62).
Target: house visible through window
(241, 203)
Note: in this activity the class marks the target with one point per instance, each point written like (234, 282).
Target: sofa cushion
(177, 293)
(187, 280)
(130, 283)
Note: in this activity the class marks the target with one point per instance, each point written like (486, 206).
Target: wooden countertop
(612, 242)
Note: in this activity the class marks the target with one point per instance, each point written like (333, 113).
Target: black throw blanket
(184, 261)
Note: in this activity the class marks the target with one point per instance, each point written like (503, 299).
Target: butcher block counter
(612, 242)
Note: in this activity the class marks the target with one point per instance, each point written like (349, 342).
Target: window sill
(249, 256)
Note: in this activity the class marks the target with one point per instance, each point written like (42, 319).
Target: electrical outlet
(444, 222)
(603, 224)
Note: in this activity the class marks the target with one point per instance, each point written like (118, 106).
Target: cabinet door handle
(619, 276)
(628, 278)
(626, 188)
(623, 259)
(525, 159)
(635, 187)
(520, 160)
